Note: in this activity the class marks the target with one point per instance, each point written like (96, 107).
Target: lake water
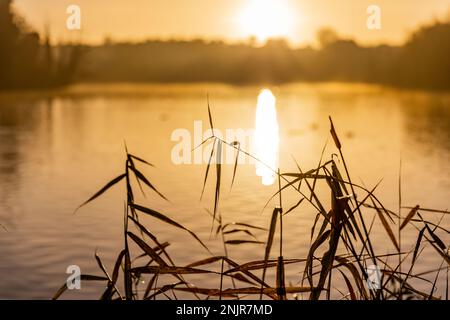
(58, 148)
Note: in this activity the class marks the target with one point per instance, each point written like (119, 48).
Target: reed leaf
(294, 206)
(334, 135)
(142, 178)
(409, 216)
(436, 239)
(417, 246)
(83, 277)
(244, 225)
(205, 261)
(257, 265)
(147, 249)
(349, 286)
(235, 143)
(140, 160)
(388, 229)
(207, 168)
(238, 242)
(102, 190)
(248, 232)
(218, 179)
(167, 270)
(272, 228)
(167, 220)
(314, 246)
(209, 116)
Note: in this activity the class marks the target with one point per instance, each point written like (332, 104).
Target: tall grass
(340, 252)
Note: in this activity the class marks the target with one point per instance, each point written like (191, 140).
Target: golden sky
(297, 20)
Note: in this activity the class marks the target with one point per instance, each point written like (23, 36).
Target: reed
(341, 242)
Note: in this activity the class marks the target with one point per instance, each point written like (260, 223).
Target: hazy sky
(230, 19)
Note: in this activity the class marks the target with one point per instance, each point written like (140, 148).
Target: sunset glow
(265, 19)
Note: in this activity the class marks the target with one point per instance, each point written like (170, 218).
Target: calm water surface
(57, 149)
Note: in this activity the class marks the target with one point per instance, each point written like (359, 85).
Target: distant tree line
(423, 62)
(26, 60)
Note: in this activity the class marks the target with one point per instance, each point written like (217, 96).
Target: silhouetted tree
(24, 61)
(425, 59)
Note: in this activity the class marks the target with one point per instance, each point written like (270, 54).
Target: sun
(266, 19)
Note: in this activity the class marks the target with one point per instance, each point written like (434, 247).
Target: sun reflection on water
(266, 137)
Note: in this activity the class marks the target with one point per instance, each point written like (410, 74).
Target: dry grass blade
(151, 236)
(128, 284)
(236, 267)
(111, 288)
(147, 249)
(273, 225)
(207, 292)
(103, 190)
(304, 175)
(209, 115)
(256, 265)
(318, 166)
(142, 178)
(430, 296)
(388, 229)
(205, 261)
(83, 277)
(417, 246)
(447, 287)
(141, 160)
(337, 176)
(235, 143)
(434, 225)
(101, 265)
(207, 168)
(249, 290)
(152, 282)
(409, 216)
(321, 238)
(325, 222)
(328, 257)
(268, 291)
(294, 206)
(218, 180)
(334, 135)
(430, 210)
(287, 185)
(164, 289)
(237, 242)
(241, 277)
(349, 286)
(167, 270)
(280, 279)
(443, 254)
(436, 239)
(244, 225)
(107, 295)
(356, 276)
(202, 143)
(158, 249)
(233, 231)
(167, 220)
